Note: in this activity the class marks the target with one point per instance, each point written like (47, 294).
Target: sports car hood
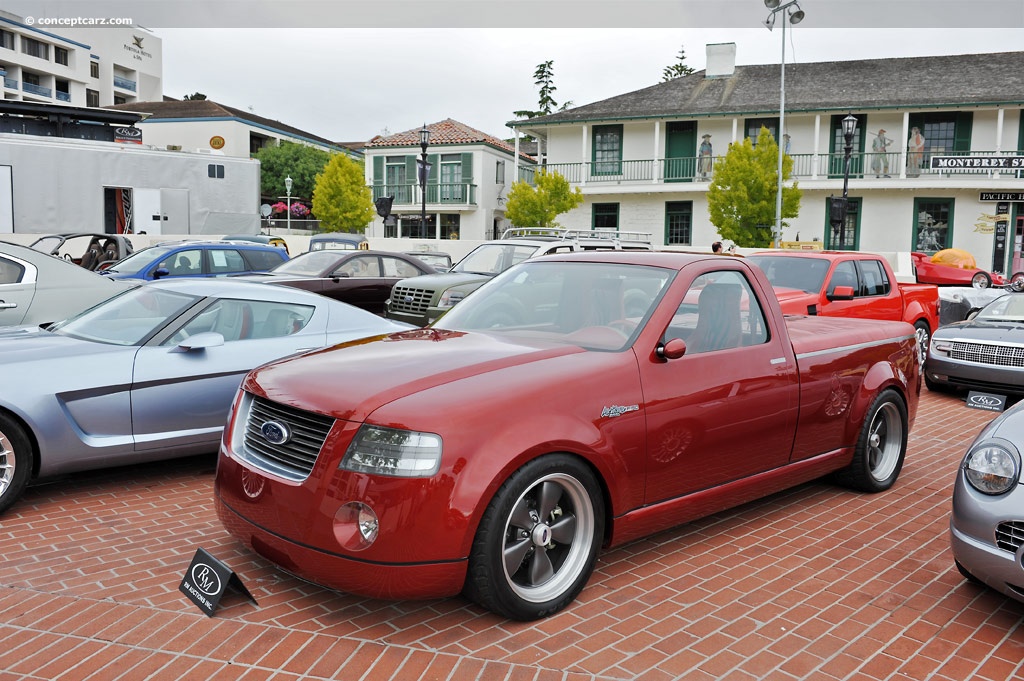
(982, 330)
(352, 380)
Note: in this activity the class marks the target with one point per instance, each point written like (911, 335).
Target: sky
(347, 70)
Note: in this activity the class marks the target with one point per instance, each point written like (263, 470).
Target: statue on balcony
(704, 157)
(915, 152)
(880, 158)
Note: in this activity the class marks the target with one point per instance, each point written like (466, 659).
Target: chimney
(721, 60)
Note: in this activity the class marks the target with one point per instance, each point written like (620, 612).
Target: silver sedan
(150, 374)
(987, 523)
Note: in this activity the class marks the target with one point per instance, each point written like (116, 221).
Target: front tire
(881, 446)
(538, 541)
(924, 336)
(15, 462)
(981, 280)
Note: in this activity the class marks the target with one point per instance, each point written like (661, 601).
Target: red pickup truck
(632, 392)
(849, 284)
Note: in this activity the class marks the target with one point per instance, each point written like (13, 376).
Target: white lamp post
(795, 17)
(288, 192)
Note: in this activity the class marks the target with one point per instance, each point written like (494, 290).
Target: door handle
(7, 306)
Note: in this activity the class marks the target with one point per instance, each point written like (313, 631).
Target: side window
(845, 274)
(261, 261)
(393, 267)
(184, 263)
(10, 271)
(363, 266)
(245, 320)
(718, 312)
(226, 261)
(872, 273)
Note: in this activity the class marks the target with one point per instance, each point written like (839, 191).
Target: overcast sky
(349, 85)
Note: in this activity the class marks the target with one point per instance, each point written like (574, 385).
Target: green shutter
(467, 168)
(435, 169)
(411, 176)
(378, 171)
(962, 131)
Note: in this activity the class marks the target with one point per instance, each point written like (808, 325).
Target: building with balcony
(84, 67)
(937, 159)
(468, 179)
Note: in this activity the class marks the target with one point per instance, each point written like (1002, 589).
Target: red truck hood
(352, 380)
(795, 301)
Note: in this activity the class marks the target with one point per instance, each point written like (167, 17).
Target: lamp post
(849, 129)
(795, 17)
(424, 171)
(288, 192)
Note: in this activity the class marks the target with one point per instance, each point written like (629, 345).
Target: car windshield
(1007, 308)
(310, 263)
(127, 319)
(140, 260)
(494, 259)
(598, 306)
(802, 274)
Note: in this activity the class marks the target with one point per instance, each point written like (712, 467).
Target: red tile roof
(448, 131)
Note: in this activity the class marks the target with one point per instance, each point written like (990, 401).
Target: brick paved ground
(813, 583)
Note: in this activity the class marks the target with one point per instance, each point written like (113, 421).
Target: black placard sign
(206, 581)
(986, 401)
(1001, 228)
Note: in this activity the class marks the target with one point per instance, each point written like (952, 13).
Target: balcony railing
(63, 96)
(37, 90)
(805, 167)
(10, 83)
(124, 83)
(459, 193)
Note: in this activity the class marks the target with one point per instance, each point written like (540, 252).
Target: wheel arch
(29, 433)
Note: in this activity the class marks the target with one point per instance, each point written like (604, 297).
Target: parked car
(36, 288)
(422, 300)
(197, 259)
(441, 262)
(956, 267)
(268, 239)
(150, 373)
(360, 278)
(87, 249)
(983, 352)
(495, 457)
(329, 241)
(986, 527)
(849, 284)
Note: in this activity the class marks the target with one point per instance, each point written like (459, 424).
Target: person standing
(880, 158)
(704, 157)
(915, 152)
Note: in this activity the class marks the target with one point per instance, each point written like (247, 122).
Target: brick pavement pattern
(814, 583)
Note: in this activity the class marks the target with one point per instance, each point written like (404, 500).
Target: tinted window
(10, 271)
(260, 261)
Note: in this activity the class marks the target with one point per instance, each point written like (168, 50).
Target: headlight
(455, 294)
(992, 467)
(389, 451)
(941, 347)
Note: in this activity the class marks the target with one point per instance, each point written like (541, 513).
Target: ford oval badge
(275, 432)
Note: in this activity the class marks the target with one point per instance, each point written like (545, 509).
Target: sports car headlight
(389, 451)
(992, 467)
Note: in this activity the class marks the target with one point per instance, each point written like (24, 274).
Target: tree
(544, 78)
(194, 97)
(741, 197)
(530, 206)
(341, 200)
(677, 70)
(300, 162)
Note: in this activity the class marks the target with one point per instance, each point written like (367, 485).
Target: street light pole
(288, 192)
(424, 171)
(849, 129)
(795, 17)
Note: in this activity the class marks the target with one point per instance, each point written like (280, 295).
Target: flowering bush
(279, 207)
(299, 210)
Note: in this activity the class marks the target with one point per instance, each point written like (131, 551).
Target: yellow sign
(217, 142)
(801, 245)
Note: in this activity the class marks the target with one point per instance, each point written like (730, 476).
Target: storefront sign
(1001, 196)
(977, 162)
(216, 142)
(128, 135)
(1002, 227)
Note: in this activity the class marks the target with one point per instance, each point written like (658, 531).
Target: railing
(124, 83)
(10, 83)
(451, 193)
(37, 90)
(63, 96)
(805, 166)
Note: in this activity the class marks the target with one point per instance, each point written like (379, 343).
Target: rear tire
(981, 280)
(538, 541)
(881, 447)
(15, 462)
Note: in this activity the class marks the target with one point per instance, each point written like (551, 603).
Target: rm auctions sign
(976, 162)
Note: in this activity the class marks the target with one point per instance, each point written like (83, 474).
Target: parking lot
(816, 582)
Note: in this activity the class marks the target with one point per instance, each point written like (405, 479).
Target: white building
(637, 156)
(79, 66)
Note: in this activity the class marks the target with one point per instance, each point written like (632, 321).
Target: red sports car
(955, 267)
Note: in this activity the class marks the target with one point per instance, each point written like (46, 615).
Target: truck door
(727, 409)
(874, 296)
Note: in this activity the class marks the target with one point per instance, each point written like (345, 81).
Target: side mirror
(673, 349)
(201, 341)
(841, 293)
(160, 272)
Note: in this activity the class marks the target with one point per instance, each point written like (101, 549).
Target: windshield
(598, 306)
(140, 260)
(127, 319)
(1008, 308)
(803, 274)
(309, 264)
(494, 259)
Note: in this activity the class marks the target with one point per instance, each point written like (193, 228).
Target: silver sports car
(987, 524)
(984, 352)
(150, 374)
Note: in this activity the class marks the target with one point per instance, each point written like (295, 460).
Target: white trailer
(57, 184)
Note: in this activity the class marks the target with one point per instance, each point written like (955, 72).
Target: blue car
(197, 259)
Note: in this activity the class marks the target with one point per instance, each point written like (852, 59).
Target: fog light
(355, 526)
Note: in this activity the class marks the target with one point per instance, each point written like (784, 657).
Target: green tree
(678, 69)
(300, 162)
(530, 206)
(741, 197)
(341, 200)
(543, 78)
(194, 97)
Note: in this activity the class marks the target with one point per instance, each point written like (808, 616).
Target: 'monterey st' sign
(976, 162)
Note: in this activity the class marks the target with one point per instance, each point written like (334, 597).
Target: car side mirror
(841, 293)
(160, 272)
(201, 341)
(674, 348)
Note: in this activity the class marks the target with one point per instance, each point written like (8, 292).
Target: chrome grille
(293, 459)
(1010, 535)
(985, 353)
(410, 299)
